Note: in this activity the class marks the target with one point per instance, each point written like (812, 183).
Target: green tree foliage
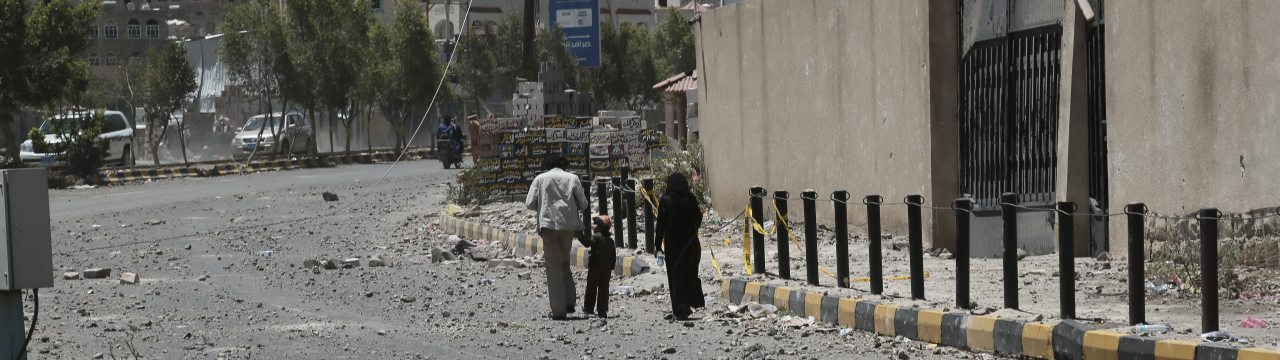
(413, 70)
(79, 144)
(673, 48)
(38, 48)
(255, 50)
(626, 74)
(167, 80)
(476, 67)
(371, 89)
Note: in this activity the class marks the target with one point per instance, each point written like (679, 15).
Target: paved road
(212, 295)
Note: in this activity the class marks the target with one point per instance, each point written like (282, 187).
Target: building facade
(1097, 103)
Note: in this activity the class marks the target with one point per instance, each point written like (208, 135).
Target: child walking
(599, 266)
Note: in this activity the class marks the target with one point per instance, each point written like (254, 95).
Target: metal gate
(1009, 85)
(1095, 80)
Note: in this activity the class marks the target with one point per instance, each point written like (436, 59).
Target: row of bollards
(1009, 203)
(623, 192)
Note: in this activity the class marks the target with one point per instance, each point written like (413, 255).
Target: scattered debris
(129, 278)
(97, 273)
(328, 196)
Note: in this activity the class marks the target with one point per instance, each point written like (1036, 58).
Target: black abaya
(678, 221)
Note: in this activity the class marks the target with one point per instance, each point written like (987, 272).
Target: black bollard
(1209, 269)
(915, 245)
(963, 213)
(757, 238)
(841, 210)
(784, 234)
(617, 212)
(586, 212)
(1067, 260)
(1010, 215)
(649, 217)
(1137, 293)
(630, 200)
(810, 199)
(602, 196)
(874, 260)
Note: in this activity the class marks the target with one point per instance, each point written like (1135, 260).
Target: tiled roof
(694, 5)
(680, 82)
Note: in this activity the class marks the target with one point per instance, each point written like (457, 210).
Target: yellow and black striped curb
(1066, 340)
(529, 245)
(119, 176)
(152, 174)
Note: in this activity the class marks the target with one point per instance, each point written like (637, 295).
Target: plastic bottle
(662, 260)
(623, 289)
(1138, 329)
(486, 282)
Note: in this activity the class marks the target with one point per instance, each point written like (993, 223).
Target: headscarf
(678, 191)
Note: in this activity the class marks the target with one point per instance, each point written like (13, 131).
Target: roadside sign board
(580, 22)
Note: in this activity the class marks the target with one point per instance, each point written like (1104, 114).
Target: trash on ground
(1254, 323)
(1219, 336)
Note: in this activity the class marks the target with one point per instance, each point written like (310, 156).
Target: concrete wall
(825, 95)
(1193, 97)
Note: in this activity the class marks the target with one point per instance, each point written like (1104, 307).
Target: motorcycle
(448, 155)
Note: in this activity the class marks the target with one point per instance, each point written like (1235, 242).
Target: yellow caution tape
(714, 263)
(725, 243)
(651, 199)
(782, 219)
(865, 279)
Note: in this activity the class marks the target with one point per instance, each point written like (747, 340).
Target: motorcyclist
(446, 130)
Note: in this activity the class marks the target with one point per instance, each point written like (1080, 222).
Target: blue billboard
(580, 21)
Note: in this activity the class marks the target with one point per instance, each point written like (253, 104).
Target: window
(293, 120)
(110, 29)
(91, 31)
(111, 60)
(114, 123)
(93, 59)
(153, 29)
(135, 29)
(476, 25)
(377, 4)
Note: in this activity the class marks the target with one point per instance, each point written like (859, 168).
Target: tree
(673, 49)
(627, 71)
(255, 51)
(371, 88)
(476, 67)
(414, 73)
(79, 144)
(39, 67)
(168, 81)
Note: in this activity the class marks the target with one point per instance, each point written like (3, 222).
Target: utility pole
(529, 11)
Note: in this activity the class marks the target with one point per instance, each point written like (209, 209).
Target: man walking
(558, 197)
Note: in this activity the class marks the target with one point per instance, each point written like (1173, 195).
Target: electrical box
(26, 257)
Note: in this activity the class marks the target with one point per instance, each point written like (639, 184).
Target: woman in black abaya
(678, 221)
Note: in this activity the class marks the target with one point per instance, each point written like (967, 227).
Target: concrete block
(865, 315)
(1008, 336)
(1037, 340)
(377, 262)
(307, 264)
(1101, 344)
(71, 276)
(328, 264)
(848, 312)
(766, 295)
(980, 332)
(954, 332)
(752, 290)
(830, 310)
(129, 279)
(737, 288)
(97, 273)
(1212, 351)
(813, 305)
(1068, 340)
(1257, 354)
(884, 319)
(795, 301)
(782, 297)
(350, 263)
(929, 326)
(1137, 348)
(905, 323)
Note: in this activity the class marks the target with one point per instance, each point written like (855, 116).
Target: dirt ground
(238, 288)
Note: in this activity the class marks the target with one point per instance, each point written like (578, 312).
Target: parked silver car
(116, 130)
(295, 135)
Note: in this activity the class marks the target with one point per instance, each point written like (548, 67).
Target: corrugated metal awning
(679, 83)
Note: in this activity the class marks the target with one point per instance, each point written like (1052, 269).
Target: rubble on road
(97, 273)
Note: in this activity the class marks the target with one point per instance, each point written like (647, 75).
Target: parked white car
(116, 130)
(295, 135)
